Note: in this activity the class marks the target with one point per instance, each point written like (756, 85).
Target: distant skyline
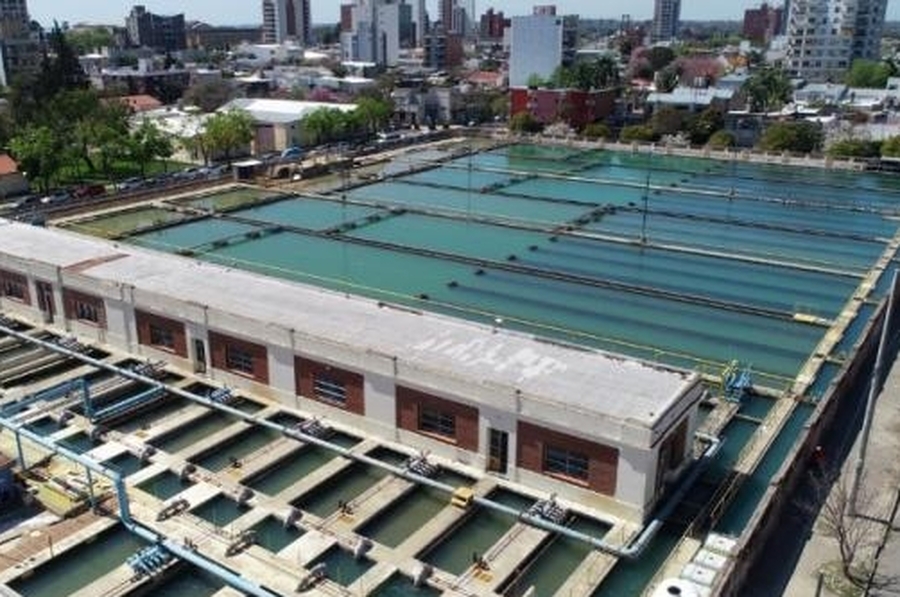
(327, 11)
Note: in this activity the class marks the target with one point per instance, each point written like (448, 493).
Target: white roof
(281, 111)
(631, 393)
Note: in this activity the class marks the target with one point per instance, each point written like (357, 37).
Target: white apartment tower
(285, 20)
(666, 14)
(826, 36)
(375, 33)
(535, 47)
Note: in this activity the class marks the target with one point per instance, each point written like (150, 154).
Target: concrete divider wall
(764, 525)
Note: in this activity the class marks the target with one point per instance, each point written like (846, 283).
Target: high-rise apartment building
(18, 46)
(666, 14)
(286, 20)
(826, 36)
(763, 23)
(535, 47)
(375, 31)
(164, 33)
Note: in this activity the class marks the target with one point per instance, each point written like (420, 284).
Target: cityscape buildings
(285, 20)
(666, 14)
(826, 36)
(149, 30)
(17, 45)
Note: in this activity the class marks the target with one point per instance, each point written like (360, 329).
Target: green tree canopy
(39, 153)
(704, 125)
(795, 137)
(660, 57)
(226, 132)
(721, 140)
(890, 148)
(585, 75)
(768, 89)
(524, 122)
(855, 148)
(209, 96)
(869, 73)
(147, 143)
(89, 39)
(638, 132)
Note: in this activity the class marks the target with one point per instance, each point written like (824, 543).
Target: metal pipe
(180, 551)
(633, 550)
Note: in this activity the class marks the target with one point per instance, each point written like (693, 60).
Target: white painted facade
(509, 377)
(535, 47)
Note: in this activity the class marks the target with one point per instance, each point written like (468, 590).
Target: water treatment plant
(484, 368)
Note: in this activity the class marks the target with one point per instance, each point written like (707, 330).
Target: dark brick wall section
(144, 320)
(71, 297)
(218, 344)
(305, 372)
(603, 460)
(410, 402)
(19, 280)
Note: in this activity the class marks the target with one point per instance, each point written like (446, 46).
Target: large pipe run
(180, 551)
(632, 550)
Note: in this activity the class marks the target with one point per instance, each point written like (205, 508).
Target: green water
(187, 581)
(227, 199)
(756, 406)
(746, 226)
(245, 443)
(401, 586)
(406, 515)
(751, 492)
(114, 225)
(558, 560)
(346, 485)
(854, 330)
(476, 534)
(271, 534)
(126, 463)
(289, 470)
(341, 566)
(220, 511)
(192, 432)
(80, 442)
(165, 485)
(43, 426)
(80, 566)
(629, 578)
(308, 213)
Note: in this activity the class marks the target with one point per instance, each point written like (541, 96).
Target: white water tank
(710, 559)
(676, 587)
(720, 544)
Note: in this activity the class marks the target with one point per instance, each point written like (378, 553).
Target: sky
(241, 12)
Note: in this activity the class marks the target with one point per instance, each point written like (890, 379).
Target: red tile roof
(7, 165)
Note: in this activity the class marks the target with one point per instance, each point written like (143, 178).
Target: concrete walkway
(879, 495)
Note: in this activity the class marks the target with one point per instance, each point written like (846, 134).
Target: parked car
(292, 153)
(57, 197)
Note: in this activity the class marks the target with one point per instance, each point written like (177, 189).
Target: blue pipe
(193, 557)
(633, 550)
(122, 407)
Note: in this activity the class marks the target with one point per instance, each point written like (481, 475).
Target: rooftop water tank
(676, 587)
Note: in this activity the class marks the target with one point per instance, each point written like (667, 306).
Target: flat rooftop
(627, 390)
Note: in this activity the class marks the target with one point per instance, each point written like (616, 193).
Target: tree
(374, 113)
(148, 143)
(890, 147)
(855, 148)
(535, 81)
(597, 130)
(868, 73)
(795, 137)
(702, 127)
(89, 39)
(721, 140)
(39, 153)
(768, 89)
(524, 122)
(667, 121)
(660, 57)
(209, 96)
(638, 132)
(226, 132)
(667, 79)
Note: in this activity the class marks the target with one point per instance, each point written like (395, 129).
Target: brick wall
(218, 343)
(305, 372)
(410, 403)
(603, 460)
(144, 320)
